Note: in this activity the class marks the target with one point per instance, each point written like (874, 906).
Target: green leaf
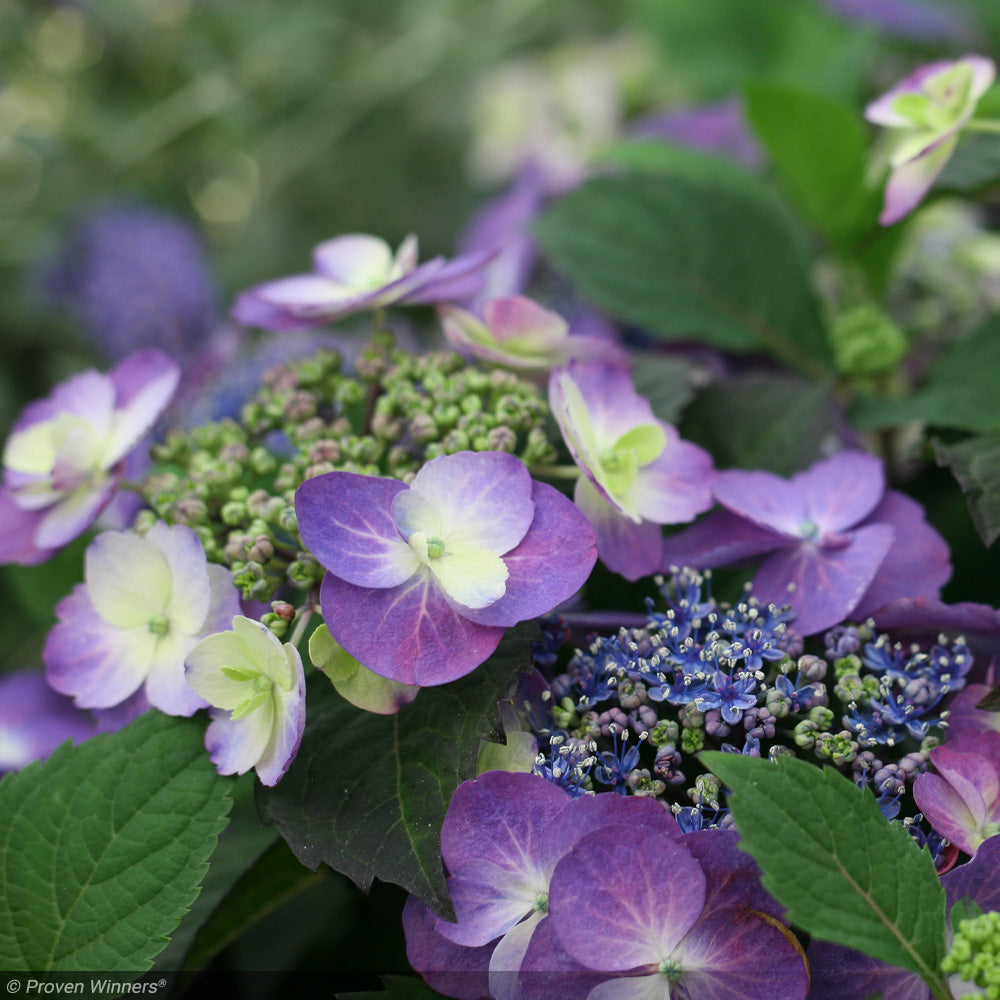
(819, 148)
(690, 258)
(667, 382)
(975, 164)
(367, 794)
(273, 879)
(782, 425)
(240, 845)
(105, 846)
(960, 392)
(975, 463)
(990, 702)
(843, 872)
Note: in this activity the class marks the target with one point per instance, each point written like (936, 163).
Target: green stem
(982, 125)
(305, 614)
(556, 471)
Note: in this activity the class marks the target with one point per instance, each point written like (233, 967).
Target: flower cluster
(632, 710)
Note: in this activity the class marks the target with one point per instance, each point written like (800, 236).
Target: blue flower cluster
(631, 711)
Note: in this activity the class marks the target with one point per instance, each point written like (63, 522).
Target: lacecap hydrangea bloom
(422, 580)
(925, 113)
(256, 687)
(62, 463)
(355, 273)
(519, 333)
(638, 474)
(124, 632)
(837, 543)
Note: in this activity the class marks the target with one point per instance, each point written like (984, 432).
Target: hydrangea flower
(63, 459)
(257, 690)
(145, 602)
(926, 112)
(501, 840)
(354, 273)
(656, 917)
(962, 800)
(837, 543)
(637, 472)
(422, 580)
(34, 720)
(519, 333)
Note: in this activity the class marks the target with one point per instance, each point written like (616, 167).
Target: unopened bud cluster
(234, 481)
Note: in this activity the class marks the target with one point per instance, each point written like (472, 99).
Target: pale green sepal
(646, 442)
(239, 673)
(474, 579)
(353, 681)
(517, 755)
(250, 705)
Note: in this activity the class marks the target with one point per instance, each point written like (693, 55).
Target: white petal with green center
(38, 448)
(205, 673)
(191, 597)
(128, 579)
(646, 442)
(474, 579)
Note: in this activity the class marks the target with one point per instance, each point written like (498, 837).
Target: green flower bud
(866, 342)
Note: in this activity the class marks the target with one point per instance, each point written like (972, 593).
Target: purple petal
(917, 564)
(489, 900)
(633, 550)
(763, 498)
(910, 181)
(732, 875)
(144, 383)
(978, 878)
(552, 562)
(718, 540)
(503, 816)
(17, 533)
(840, 973)
(736, 954)
(828, 582)
(906, 18)
(346, 522)
(483, 499)
(716, 128)
(83, 656)
(69, 518)
(968, 724)
(549, 972)
(842, 491)
(34, 720)
(407, 633)
(508, 955)
(608, 919)
(456, 280)
(677, 486)
(355, 259)
(882, 110)
(449, 968)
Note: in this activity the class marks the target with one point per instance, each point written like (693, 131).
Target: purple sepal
(585, 903)
(719, 539)
(407, 633)
(736, 954)
(907, 18)
(552, 562)
(978, 878)
(34, 720)
(633, 550)
(918, 563)
(549, 972)
(346, 522)
(733, 877)
(828, 581)
(449, 968)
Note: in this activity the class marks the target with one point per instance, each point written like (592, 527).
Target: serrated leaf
(105, 846)
(367, 794)
(690, 258)
(960, 392)
(975, 164)
(819, 148)
(782, 427)
(843, 872)
(667, 381)
(975, 463)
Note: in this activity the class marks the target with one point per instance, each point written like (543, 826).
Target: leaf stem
(982, 125)
(556, 471)
(305, 614)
